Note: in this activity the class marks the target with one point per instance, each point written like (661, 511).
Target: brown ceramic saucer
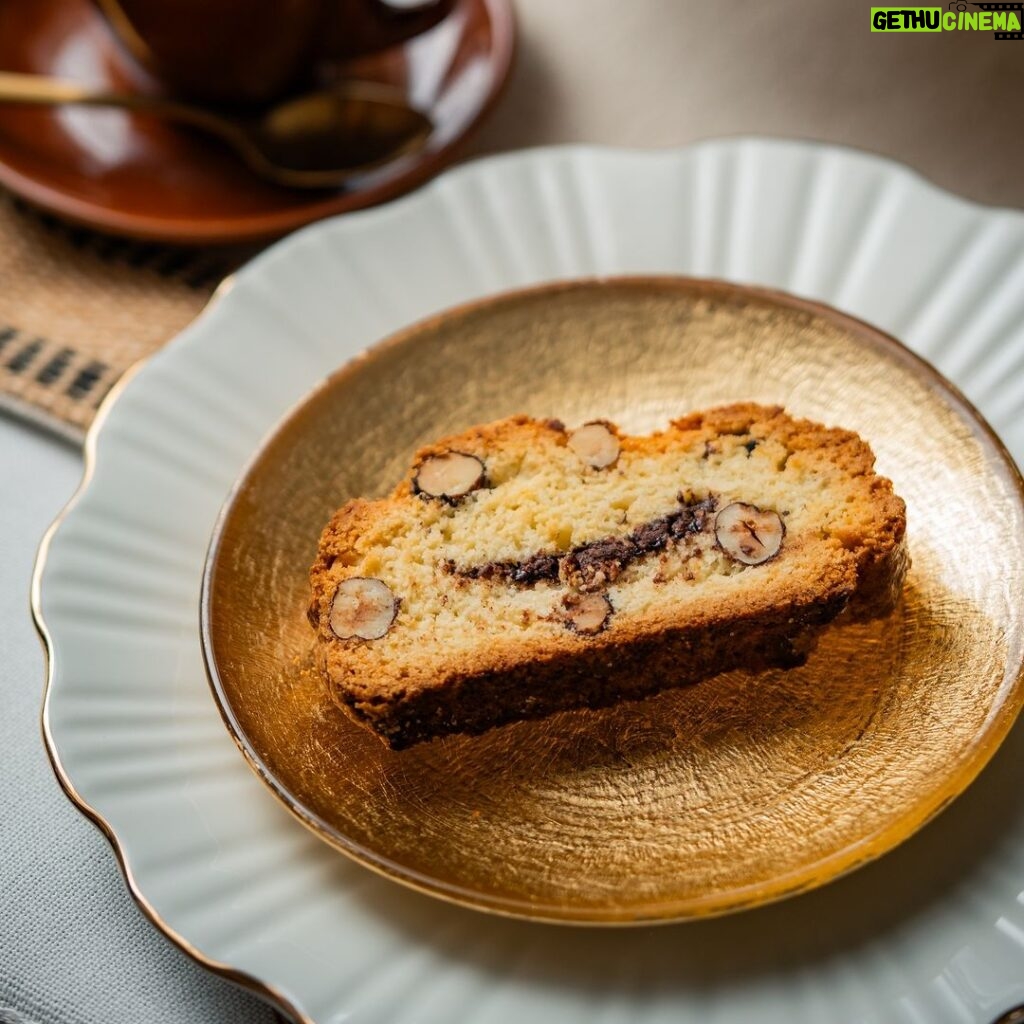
(141, 177)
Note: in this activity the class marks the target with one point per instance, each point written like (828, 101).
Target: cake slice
(523, 568)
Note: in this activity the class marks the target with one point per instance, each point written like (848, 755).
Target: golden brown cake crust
(764, 616)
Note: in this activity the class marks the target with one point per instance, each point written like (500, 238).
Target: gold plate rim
(985, 743)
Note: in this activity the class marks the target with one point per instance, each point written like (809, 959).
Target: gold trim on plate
(267, 992)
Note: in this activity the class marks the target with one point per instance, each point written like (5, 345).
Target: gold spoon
(318, 140)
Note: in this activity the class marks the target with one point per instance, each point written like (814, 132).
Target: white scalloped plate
(932, 933)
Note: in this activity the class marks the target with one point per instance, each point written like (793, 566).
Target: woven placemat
(77, 308)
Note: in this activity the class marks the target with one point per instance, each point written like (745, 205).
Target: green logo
(1003, 19)
(906, 19)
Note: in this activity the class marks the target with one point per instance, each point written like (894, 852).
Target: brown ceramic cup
(249, 51)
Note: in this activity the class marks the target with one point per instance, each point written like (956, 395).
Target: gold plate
(727, 794)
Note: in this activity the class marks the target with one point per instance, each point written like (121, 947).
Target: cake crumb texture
(534, 568)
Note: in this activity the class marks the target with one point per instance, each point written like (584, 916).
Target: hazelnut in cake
(523, 568)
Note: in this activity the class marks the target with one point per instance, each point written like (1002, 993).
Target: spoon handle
(46, 91)
(42, 90)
